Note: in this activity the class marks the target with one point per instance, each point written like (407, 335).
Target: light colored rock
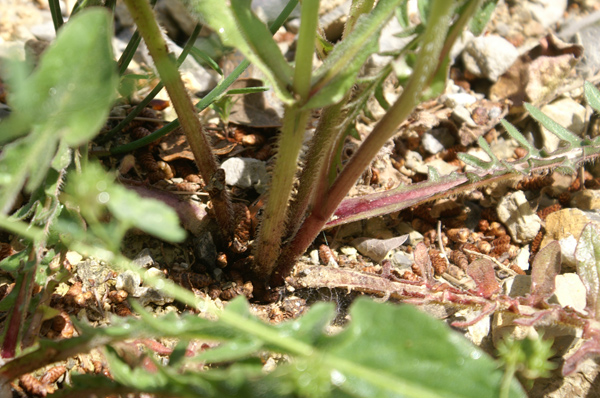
(442, 167)
(522, 259)
(402, 260)
(130, 282)
(516, 214)
(489, 56)
(414, 161)
(566, 112)
(569, 292)
(568, 222)
(436, 140)
(246, 173)
(547, 12)
(567, 250)
(517, 286)
(455, 99)
(462, 115)
(588, 199)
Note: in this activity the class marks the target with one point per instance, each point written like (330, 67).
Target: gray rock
(588, 31)
(489, 56)
(518, 217)
(246, 173)
(463, 116)
(566, 112)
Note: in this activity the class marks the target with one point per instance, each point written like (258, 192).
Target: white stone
(569, 292)
(522, 259)
(489, 56)
(547, 12)
(516, 214)
(246, 173)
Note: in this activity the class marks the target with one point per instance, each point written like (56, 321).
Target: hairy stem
(197, 139)
(273, 225)
(427, 62)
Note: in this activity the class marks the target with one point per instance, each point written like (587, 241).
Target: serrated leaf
(552, 126)
(592, 96)
(587, 254)
(433, 357)
(545, 267)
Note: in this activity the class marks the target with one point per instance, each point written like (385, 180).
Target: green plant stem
(196, 137)
(136, 111)
(358, 8)
(17, 227)
(273, 223)
(209, 98)
(56, 14)
(429, 58)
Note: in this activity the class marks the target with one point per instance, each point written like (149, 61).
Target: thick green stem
(197, 139)
(273, 224)
(427, 62)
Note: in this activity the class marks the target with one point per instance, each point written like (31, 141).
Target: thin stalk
(313, 180)
(429, 58)
(56, 14)
(196, 137)
(210, 97)
(274, 219)
(136, 111)
(358, 8)
(129, 52)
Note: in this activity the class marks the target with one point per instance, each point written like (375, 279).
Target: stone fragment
(246, 173)
(547, 12)
(566, 112)
(436, 140)
(489, 56)
(588, 199)
(569, 292)
(516, 214)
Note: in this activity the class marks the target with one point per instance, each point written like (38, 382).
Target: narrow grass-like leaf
(200, 55)
(588, 266)
(514, 133)
(552, 126)
(592, 96)
(482, 16)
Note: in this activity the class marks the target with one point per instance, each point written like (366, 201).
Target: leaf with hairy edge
(592, 96)
(545, 267)
(236, 33)
(552, 126)
(514, 133)
(588, 266)
(386, 351)
(66, 98)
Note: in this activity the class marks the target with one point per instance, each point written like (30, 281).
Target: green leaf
(552, 126)
(149, 215)
(333, 79)
(243, 30)
(71, 91)
(423, 7)
(201, 56)
(65, 100)
(482, 16)
(588, 266)
(514, 133)
(592, 96)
